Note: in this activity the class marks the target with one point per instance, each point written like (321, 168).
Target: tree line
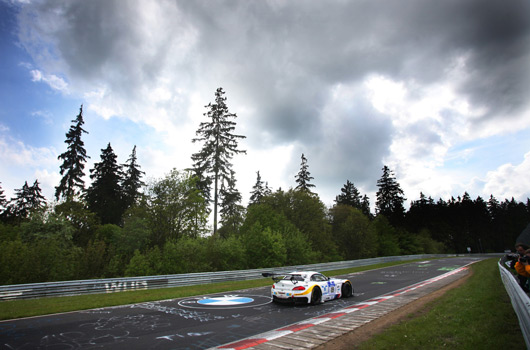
(122, 226)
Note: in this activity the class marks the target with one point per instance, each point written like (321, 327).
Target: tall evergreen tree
(3, 200)
(349, 195)
(74, 158)
(390, 197)
(36, 200)
(365, 206)
(493, 207)
(20, 205)
(304, 177)
(28, 199)
(212, 163)
(232, 212)
(259, 190)
(104, 196)
(132, 180)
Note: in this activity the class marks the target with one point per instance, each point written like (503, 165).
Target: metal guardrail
(520, 300)
(111, 285)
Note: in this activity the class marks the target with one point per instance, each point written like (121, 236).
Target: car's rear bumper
(290, 300)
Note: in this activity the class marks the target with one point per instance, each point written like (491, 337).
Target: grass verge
(44, 306)
(477, 315)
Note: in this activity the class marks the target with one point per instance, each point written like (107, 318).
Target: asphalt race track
(206, 321)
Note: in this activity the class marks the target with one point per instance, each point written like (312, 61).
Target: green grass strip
(35, 307)
(476, 315)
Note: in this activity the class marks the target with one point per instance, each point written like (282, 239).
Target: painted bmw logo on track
(225, 301)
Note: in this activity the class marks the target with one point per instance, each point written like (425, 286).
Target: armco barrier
(110, 285)
(520, 300)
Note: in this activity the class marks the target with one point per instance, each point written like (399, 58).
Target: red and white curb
(281, 332)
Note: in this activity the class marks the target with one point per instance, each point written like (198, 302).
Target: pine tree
(104, 196)
(132, 180)
(232, 212)
(493, 207)
(36, 200)
(3, 200)
(349, 195)
(304, 177)
(259, 190)
(212, 163)
(19, 206)
(390, 197)
(74, 158)
(28, 200)
(365, 206)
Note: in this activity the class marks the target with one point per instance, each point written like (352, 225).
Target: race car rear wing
(275, 277)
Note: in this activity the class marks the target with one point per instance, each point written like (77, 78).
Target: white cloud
(44, 116)
(27, 163)
(429, 122)
(509, 180)
(52, 80)
(274, 165)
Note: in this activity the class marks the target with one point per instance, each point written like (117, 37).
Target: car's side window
(318, 278)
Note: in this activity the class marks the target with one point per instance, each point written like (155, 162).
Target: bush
(226, 254)
(185, 255)
(14, 262)
(264, 247)
(353, 232)
(139, 266)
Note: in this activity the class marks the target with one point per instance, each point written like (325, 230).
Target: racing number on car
(332, 290)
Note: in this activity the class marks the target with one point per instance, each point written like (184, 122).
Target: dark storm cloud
(284, 59)
(293, 52)
(496, 37)
(356, 136)
(112, 44)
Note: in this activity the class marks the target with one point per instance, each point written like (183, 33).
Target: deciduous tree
(353, 232)
(175, 208)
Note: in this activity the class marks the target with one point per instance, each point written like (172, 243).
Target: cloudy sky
(436, 90)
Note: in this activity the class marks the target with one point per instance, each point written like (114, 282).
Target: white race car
(308, 287)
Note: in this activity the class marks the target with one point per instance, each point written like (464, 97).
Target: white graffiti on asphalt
(139, 322)
(171, 336)
(72, 340)
(200, 316)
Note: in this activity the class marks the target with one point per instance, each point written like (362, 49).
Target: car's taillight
(299, 288)
(273, 286)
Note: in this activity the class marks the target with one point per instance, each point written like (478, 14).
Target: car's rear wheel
(347, 290)
(316, 296)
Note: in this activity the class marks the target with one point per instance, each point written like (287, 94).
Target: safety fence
(520, 300)
(111, 285)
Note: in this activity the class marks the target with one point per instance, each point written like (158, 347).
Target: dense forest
(121, 226)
